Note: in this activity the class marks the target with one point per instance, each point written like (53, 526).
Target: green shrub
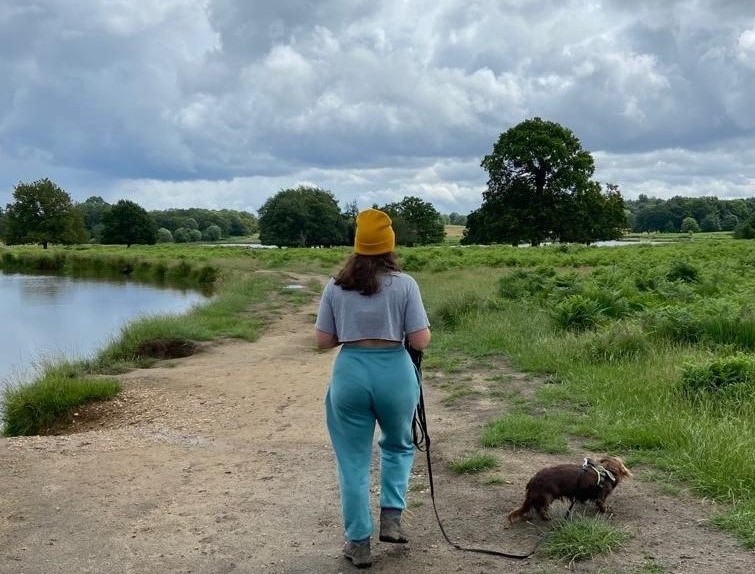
(207, 275)
(732, 328)
(522, 283)
(566, 284)
(578, 313)
(181, 271)
(412, 262)
(732, 376)
(647, 280)
(612, 302)
(619, 342)
(674, 323)
(9, 260)
(683, 271)
(450, 313)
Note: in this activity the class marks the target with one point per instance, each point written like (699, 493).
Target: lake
(46, 317)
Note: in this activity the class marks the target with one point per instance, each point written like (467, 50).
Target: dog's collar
(601, 472)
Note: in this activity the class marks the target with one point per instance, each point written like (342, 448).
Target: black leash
(421, 439)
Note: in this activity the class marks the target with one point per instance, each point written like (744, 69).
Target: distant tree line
(310, 216)
(690, 214)
(43, 213)
(539, 188)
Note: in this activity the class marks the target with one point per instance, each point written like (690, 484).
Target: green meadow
(646, 351)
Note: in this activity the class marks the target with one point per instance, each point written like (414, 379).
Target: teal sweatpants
(371, 385)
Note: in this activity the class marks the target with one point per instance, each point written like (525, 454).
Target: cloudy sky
(222, 103)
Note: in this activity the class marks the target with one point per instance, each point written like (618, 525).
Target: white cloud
(231, 100)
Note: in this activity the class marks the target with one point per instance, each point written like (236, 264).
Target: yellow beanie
(374, 234)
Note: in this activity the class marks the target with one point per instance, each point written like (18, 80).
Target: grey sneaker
(358, 553)
(390, 527)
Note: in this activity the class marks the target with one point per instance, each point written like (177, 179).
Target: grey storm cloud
(222, 103)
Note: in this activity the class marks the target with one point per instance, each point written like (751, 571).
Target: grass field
(648, 350)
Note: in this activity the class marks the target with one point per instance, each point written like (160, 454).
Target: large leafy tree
(129, 223)
(42, 213)
(591, 214)
(538, 185)
(93, 211)
(416, 222)
(302, 217)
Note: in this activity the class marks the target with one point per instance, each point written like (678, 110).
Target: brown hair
(362, 272)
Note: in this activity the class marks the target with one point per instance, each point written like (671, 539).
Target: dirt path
(220, 463)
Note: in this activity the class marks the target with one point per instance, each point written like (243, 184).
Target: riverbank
(34, 407)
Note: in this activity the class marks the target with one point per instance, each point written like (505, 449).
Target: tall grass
(583, 538)
(32, 409)
(616, 331)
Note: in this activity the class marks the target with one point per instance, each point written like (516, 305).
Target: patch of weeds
(619, 342)
(583, 538)
(739, 521)
(473, 463)
(670, 489)
(730, 377)
(683, 271)
(493, 480)
(525, 431)
(457, 394)
(452, 312)
(416, 503)
(652, 567)
(522, 283)
(418, 487)
(499, 378)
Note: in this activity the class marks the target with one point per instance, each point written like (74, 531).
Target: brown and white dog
(575, 482)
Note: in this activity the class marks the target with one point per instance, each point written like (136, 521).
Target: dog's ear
(616, 465)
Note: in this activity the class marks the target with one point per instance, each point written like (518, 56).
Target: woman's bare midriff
(372, 343)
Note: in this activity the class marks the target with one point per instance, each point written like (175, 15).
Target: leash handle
(421, 438)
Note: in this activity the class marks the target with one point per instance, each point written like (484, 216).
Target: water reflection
(49, 317)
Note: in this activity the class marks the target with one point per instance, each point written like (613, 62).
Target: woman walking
(370, 308)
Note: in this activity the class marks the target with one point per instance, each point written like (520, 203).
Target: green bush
(612, 302)
(578, 313)
(412, 262)
(450, 313)
(683, 271)
(207, 275)
(732, 376)
(731, 328)
(522, 283)
(673, 323)
(619, 342)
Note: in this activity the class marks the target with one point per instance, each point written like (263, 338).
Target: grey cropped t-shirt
(396, 309)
